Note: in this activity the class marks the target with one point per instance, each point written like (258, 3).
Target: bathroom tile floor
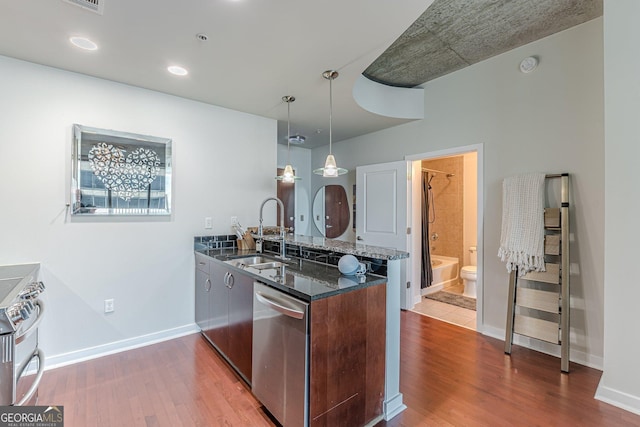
(447, 312)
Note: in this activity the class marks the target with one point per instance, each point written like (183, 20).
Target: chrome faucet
(283, 248)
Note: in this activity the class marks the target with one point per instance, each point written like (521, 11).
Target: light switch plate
(208, 222)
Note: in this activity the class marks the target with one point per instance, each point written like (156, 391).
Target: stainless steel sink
(258, 262)
(254, 259)
(267, 265)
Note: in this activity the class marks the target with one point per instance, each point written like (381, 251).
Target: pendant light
(330, 169)
(288, 174)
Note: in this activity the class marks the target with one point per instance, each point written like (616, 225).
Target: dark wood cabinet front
(347, 358)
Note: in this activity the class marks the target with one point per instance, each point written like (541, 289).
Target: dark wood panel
(336, 208)
(342, 380)
(286, 192)
(241, 323)
(376, 350)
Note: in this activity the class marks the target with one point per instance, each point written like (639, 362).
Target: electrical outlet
(208, 223)
(109, 305)
(234, 220)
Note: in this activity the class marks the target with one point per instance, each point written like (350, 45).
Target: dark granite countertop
(303, 279)
(340, 246)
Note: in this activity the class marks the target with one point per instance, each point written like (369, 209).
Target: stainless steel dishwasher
(280, 362)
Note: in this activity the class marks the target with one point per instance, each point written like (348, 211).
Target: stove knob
(26, 294)
(14, 315)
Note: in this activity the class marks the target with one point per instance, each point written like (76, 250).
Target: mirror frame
(137, 183)
(320, 223)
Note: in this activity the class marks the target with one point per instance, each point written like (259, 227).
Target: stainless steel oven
(21, 311)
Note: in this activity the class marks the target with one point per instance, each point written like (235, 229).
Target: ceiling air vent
(96, 6)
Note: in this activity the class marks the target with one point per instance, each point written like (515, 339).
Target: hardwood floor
(182, 382)
(450, 376)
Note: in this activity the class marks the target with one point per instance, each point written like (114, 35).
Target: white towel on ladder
(522, 236)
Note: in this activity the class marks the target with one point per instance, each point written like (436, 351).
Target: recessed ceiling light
(83, 43)
(177, 70)
(529, 64)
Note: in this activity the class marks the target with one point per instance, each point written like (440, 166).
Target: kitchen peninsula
(346, 315)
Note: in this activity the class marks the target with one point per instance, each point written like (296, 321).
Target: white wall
(548, 121)
(224, 164)
(619, 384)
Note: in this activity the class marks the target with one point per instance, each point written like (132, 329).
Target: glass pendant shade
(288, 175)
(330, 169)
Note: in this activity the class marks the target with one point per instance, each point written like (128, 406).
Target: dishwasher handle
(290, 312)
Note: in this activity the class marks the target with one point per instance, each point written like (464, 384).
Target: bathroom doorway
(446, 216)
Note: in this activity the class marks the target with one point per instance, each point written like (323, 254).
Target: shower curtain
(427, 273)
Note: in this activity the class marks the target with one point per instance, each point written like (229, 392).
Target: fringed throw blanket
(522, 237)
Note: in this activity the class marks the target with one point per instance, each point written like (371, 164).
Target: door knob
(359, 238)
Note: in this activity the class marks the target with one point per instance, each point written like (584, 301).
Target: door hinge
(408, 230)
(408, 285)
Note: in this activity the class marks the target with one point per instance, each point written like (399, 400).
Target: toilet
(469, 274)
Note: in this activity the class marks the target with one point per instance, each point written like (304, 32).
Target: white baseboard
(59, 360)
(618, 398)
(416, 299)
(575, 356)
(393, 406)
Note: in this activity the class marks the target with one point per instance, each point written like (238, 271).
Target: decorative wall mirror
(119, 173)
(331, 211)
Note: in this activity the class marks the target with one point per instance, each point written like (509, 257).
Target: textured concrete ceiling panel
(420, 55)
(451, 34)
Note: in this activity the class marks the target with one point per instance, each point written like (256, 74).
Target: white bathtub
(445, 272)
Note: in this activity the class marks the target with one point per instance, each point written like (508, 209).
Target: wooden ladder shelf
(539, 301)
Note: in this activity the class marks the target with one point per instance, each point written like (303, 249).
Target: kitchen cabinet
(228, 322)
(344, 369)
(240, 331)
(203, 287)
(218, 331)
(347, 358)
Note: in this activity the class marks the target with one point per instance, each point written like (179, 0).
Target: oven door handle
(34, 325)
(34, 386)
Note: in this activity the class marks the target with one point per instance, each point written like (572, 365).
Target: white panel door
(381, 212)
(381, 207)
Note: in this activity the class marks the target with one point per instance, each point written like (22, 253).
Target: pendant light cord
(288, 131)
(330, 112)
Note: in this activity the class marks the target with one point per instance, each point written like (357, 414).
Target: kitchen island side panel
(347, 358)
